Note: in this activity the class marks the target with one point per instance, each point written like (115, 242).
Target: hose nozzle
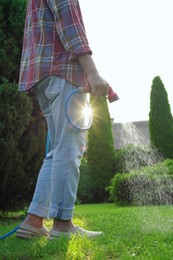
(112, 96)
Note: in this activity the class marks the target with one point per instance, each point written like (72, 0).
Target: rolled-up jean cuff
(61, 213)
(38, 210)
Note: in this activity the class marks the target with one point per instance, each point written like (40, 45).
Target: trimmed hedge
(136, 156)
(147, 186)
(169, 164)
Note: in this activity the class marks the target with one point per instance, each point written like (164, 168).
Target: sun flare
(87, 114)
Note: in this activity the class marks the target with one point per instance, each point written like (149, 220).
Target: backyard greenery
(160, 119)
(144, 186)
(129, 233)
(100, 151)
(141, 177)
(135, 156)
(22, 127)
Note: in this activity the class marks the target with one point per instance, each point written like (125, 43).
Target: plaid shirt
(54, 37)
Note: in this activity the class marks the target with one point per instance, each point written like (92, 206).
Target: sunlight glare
(87, 114)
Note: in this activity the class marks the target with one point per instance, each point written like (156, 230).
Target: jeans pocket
(53, 87)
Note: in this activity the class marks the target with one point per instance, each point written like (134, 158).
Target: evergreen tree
(160, 119)
(100, 152)
(22, 127)
(15, 114)
(12, 17)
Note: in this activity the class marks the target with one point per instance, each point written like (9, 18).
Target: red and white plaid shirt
(54, 37)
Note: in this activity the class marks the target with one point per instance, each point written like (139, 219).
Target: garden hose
(9, 233)
(79, 123)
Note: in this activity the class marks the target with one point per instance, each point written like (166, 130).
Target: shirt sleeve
(70, 27)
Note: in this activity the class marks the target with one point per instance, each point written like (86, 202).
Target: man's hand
(99, 86)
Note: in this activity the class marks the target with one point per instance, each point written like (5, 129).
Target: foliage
(145, 186)
(100, 152)
(22, 127)
(15, 114)
(12, 15)
(160, 119)
(22, 145)
(135, 156)
(169, 165)
(85, 194)
(32, 147)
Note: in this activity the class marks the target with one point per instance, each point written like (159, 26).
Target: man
(56, 58)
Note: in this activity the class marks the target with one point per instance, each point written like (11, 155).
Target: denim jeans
(57, 182)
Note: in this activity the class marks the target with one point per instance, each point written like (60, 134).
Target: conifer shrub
(160, 119)
(100, 150)
(15, 115)
(22, 127)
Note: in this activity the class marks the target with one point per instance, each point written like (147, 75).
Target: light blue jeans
(57, 182)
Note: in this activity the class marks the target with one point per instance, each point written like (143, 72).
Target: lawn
(129, 233)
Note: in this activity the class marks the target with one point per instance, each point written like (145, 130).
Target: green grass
(129, 233)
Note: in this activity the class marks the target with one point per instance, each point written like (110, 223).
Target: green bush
(22, 127)
(169, 164)
(147, 186)
(85, 194)
(100, 150)
(134, 157)
(15, 115)
(12, 17)
(32, 146)
(22, 146)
